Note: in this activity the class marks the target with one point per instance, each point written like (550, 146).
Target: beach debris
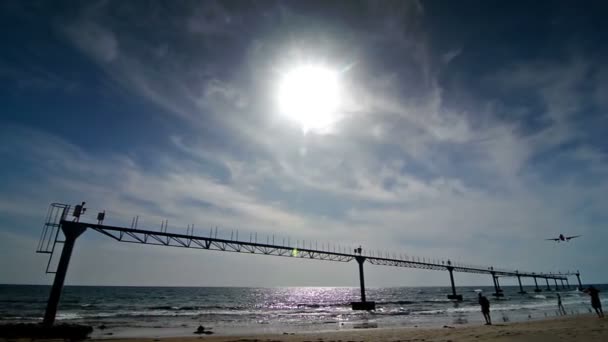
(448, 327)
(202, 330)
(102, 327)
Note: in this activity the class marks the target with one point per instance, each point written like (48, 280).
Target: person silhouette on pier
(560, 307)
(595, 300)
(485, 308)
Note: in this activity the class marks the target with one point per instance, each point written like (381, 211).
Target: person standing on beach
(560, 307)
(485, 308)
(595, 300)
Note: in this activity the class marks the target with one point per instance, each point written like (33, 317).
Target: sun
(310, 96)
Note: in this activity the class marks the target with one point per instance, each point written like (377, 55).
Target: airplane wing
(572, 237)
(553, 239)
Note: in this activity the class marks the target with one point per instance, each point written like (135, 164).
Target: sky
(468, 130)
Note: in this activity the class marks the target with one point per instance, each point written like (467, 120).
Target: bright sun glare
(309, 95)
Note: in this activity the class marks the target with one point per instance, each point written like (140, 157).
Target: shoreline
(585, 327)
(187, 330)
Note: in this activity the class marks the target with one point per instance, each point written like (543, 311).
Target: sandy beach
(577, 328)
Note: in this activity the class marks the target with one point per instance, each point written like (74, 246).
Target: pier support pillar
(537, 289)
(71, 230)
(497, 290)
(578, 277)
(360, 261)
(556, 288)
(363, 304)
(567, 284)
(563, 286)
(548, 287)
(453, 295)
(521, 289)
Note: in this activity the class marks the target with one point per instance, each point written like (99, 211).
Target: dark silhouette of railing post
(71, 230)
(548, 287)
(578, 277)
(536, 284)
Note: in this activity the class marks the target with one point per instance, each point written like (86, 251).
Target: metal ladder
(51, 231)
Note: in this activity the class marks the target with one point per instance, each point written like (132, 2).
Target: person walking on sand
(485, 308)
(595, 300)
(560, 307)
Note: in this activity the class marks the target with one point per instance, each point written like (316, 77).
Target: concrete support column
(578, 277)
(556, 288)
(548, 287)
(521, 289)
(363, 304)
(360, 261)
(71, 230)
(453, 295)
(497, 289)
(537, 289)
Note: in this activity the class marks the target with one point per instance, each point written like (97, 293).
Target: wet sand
(575, 328)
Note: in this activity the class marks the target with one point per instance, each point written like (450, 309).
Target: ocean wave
(395, 313)
(23, 301)
(398, 302)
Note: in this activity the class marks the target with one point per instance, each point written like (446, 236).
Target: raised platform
(363, 305)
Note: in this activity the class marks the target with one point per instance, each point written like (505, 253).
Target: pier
(63, 226)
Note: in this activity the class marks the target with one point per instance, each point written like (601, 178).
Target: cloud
(420, 163)
(450, 55)
(97, 42)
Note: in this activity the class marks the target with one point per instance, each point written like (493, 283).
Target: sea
(178, 311)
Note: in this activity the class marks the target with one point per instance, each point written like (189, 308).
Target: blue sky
(468, 130)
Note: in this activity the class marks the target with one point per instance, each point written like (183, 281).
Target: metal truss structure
(57, 221)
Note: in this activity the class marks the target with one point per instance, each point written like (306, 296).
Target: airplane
(563, 238)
